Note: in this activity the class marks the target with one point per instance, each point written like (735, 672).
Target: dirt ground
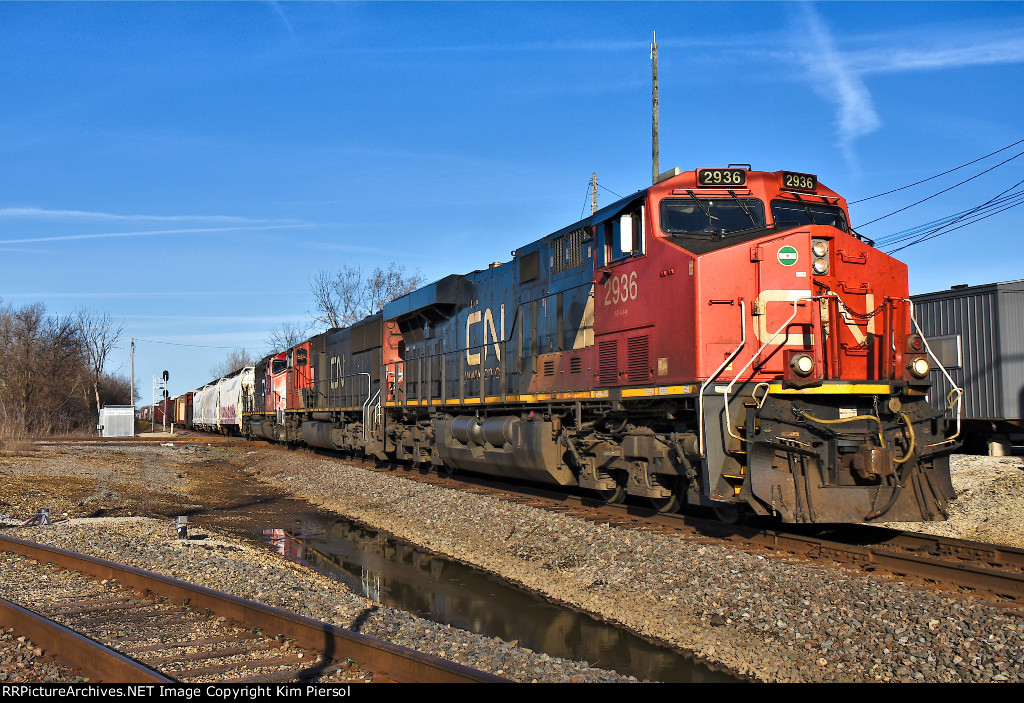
(208, 481)
(220, 483)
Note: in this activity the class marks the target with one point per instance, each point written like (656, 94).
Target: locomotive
(722, 338)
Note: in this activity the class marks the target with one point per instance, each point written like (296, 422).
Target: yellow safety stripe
(626, 393)
(833, 389)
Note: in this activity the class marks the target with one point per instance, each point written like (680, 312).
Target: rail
(389, 660)
(96, 662)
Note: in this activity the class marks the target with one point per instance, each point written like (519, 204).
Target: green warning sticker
(788, 255)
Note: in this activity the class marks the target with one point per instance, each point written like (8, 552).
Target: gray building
(977, 333)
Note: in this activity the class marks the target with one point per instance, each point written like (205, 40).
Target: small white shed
(117, 421)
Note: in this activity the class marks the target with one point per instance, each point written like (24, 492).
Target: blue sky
(187, 167)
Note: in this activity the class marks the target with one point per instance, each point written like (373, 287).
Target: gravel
(766, 618)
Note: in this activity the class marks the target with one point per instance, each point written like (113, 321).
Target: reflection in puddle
(400, 575)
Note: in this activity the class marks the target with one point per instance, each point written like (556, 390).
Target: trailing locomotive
(722, 338)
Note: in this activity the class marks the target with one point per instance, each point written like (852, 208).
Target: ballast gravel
(761, 617)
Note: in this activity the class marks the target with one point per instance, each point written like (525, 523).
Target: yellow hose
(881, 439)
(822, 421)
(913, 439)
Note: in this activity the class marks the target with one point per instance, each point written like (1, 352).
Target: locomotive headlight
(802, 364)
(819, 254)
(919, 366)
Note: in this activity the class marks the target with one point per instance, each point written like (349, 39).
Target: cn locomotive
(722, 338)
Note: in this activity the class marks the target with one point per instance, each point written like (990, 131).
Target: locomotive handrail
(725, 393)
(955, 388)
(369, 387)
(700, 396)
(424, 380)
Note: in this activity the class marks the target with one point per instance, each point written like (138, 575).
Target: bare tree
(237, 359)
(98, 334)
(42, 371)
(288, 335)
(344, 296)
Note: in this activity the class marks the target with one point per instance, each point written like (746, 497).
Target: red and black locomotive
(722, 338)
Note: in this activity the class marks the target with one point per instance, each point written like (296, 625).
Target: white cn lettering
(490, 333)
(335, 371)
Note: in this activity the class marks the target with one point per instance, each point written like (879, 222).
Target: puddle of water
(398, 574)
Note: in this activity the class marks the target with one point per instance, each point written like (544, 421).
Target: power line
(945, 190)
(586, 197)
(993, 206)
(181, 344)
(945, 221)
(931, 178)
(610, 191)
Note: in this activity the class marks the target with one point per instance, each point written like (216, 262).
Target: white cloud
(839, 75)
(842, 84)
(152, 233)
(34, 213)
(959, 50)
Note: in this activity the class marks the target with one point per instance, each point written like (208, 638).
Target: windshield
(710, 216)
(786, 212)
(278, 365)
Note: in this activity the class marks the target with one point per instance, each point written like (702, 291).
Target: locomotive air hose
(913, 438)
(881, 439)
(823, 421)
(896, 489)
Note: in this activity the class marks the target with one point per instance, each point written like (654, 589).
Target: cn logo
(490, 334)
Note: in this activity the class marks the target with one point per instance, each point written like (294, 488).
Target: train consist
(722, 338)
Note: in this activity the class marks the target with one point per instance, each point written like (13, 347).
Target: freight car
(217, 406)
(722, 338)
(977, 332)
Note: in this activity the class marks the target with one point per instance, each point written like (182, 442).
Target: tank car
(722, 338)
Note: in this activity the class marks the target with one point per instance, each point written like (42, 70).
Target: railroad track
(121, 624)
(191, 438)
(990, 571)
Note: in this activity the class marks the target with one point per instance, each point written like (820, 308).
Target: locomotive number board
(721, 177)
(799, 181)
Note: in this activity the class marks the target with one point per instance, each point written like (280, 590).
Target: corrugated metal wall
(990, 322)
(1011, 351)
(118, 421)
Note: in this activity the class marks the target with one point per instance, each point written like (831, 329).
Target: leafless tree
(42, 371)
(98, 335)
(237, 359)
(288, 335)
(344, 296)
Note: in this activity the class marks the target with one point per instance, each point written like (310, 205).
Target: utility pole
(654, 97)
(593, 193)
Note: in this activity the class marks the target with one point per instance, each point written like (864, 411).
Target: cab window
(788, 212)
(623, 236)
(710, 215)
